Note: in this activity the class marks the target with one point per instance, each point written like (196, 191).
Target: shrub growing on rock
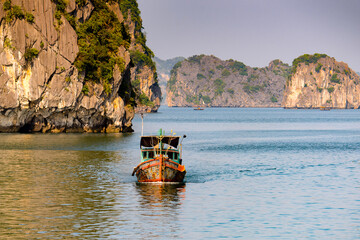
(274, 99)
(219, 86)
(330, 89)
(240, 67)
(85, 90)
(199, 76)
(15, 12)
(30, 54)
(7, 5)
(334, 78)
(318, 67)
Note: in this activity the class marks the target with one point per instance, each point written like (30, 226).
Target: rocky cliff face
(50, 82)
(320, 81)
(209, 81)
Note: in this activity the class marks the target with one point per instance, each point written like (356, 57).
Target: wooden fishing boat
(160, 159)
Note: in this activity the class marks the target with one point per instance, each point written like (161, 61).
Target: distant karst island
(313, 81)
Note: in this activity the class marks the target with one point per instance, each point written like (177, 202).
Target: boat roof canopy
(152, 141)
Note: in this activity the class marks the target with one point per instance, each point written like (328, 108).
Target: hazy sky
(253, 31)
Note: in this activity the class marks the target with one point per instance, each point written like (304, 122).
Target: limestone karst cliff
(209, 81)
(320, 81)
(73, 66)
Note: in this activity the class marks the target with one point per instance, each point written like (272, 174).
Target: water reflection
(160, 207)
(90, 142)
(55, 194)
(165, 195)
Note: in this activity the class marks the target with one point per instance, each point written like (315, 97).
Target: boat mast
(142, 124)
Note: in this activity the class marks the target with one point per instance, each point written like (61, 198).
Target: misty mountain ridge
(165, 66)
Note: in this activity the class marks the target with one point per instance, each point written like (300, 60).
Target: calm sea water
(251, 174)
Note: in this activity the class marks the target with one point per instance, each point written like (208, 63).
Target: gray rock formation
(320, 81)
(41, 90)
(209, 81)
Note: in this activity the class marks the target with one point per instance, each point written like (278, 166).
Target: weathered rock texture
(320, 81)
(209, 81)
(46, 93)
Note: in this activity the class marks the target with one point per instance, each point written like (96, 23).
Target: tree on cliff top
(307, 59)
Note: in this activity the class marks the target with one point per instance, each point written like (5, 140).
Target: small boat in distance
(198, 108)
(160, 159)
(323, 108)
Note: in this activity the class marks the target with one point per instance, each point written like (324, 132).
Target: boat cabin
(154, 146)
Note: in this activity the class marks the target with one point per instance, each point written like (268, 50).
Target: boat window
(151, 154)
(175, 155)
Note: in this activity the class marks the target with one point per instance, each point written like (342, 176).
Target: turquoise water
(251, 174)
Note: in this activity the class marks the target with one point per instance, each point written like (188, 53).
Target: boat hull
(160, 169)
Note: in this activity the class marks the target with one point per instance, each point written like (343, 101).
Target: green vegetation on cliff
(61, 10)
(273, 99)
(318, 67)
(200, 76)
(249, 89)
(100, 37)
(30, 54)
(195, 58)
(141, 59)
(334, 78)
(225, 73)
(307, 59)
(99, 40)
(238, 66)
(8, 44)
(15, 12)
(145, 100)
(206, 99)
(330, 89)
(131, 6)
(219, 86)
